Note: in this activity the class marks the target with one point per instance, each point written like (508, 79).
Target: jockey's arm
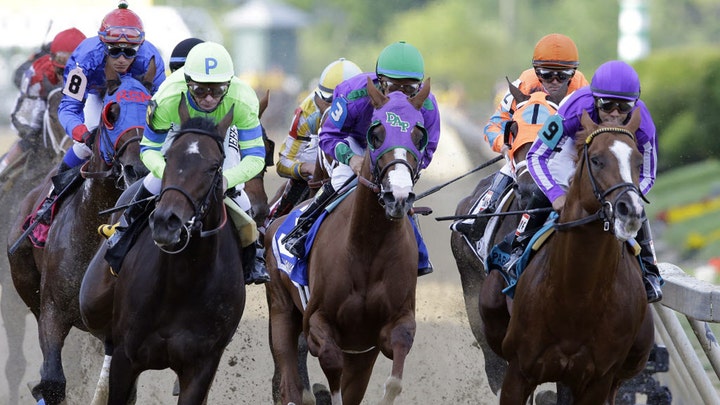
(252, 150)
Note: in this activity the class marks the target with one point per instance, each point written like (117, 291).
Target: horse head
(608, 172)
(396, 142)
(122, 124)
(192, 180)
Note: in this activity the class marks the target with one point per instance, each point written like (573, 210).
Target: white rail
(699, 302)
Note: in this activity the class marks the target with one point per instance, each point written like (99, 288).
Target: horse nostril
(622, 208)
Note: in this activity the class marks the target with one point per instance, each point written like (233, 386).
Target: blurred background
(469, 47)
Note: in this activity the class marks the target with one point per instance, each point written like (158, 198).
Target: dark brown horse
(180, 292)
(362, 270)
(579, 314)
(48, 279)
(470, 255)
(16, 182)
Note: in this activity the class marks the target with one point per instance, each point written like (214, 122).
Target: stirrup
(107, 230)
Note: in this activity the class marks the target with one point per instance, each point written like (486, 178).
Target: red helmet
(64, 44)
(122, 25)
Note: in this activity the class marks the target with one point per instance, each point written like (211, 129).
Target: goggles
(324, 97)
(59, 59)
(560, 75)
(409, 89)
(200, 91)
(608, 105)
(118, 34)
(114, 51)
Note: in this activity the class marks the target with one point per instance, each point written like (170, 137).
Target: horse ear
(376, 97)
(518, 95)
(264, 103)
(587, 123)
(226, 121)
(183, 110)
(112, 79)
(149, 76)
(418, 99)
(634, 123)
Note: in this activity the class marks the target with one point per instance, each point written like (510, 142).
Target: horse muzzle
(397, 206)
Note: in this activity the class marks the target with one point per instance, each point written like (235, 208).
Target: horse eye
(597, 161)
(377, 137)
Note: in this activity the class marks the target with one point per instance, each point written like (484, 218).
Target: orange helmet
(122, 25)
(555, 51)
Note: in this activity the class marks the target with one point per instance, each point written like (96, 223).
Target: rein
(606, 211)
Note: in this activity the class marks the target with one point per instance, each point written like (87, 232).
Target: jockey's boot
(651, 274)
(115, 232)
(488, 204)
(295, 241)
(64, 178)
(516, 243)
(253, 270)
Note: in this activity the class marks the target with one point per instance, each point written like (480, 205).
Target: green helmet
(209, 62)
(400, 61)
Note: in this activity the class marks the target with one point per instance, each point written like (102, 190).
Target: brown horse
(48, 279)
(579, 314)
(362, 270)
(180, 292)
(470, 255)
(15, 183)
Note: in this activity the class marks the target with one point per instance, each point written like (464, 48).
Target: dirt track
(444, 366)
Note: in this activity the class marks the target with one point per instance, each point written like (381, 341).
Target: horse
(15, 183)
(530, 115)
(48, 279)
(362, 269)
(588, 330)
(183, 275)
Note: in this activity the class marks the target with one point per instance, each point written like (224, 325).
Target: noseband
(200, 208)
(606, 212)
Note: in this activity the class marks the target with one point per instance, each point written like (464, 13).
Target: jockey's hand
(356, 164)
(88, 138)
(307, 169)
(559, 203)
(504, 150)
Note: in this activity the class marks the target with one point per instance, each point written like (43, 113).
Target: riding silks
(246, 226)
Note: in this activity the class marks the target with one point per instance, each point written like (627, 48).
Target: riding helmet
(555, 51)
(400, 60)
(334, 74)
(64, 44)
(122, 25)
(616, 79)
(209, 62)
(180, 52)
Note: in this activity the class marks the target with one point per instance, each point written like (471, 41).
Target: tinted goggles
(118, 34)
(409, 89)
(200, 91)
(608, 105)
(559, 75)
(115, 51)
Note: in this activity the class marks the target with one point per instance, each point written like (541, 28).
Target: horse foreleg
(102, 389)
(357, 369)
(122, 378)
(195, 381)
(516, 389)
(401, 338)
(322, 345)
(494, 311)
(52, 333)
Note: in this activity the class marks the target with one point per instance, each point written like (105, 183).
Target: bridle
(200, 207)
(606, 212)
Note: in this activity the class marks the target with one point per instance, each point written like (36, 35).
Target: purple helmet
(616, 79)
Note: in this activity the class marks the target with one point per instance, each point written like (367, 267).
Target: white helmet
(334, 74)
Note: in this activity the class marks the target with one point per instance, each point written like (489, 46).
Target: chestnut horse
(15, 183)
(530, 115)
(362, 269)
(579, 315)
(48, 279)
(180, 292)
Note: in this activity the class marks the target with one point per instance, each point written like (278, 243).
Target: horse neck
(369, 227)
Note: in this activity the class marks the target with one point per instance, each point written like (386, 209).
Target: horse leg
(122, 378)
(494, 311)
(516, 389)
(52, 333)
(596, 391)
(322, 345)
(195, 381)
(357, 369)
(13, 312)
(102, 389)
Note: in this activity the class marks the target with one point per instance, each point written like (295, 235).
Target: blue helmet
(616, 79)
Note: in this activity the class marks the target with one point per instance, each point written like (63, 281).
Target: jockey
(211, 89)
(299, 152)
(121, 43)
(399, 67)
(44, 75)
(555, 62)
(179, 53)
(613, 95)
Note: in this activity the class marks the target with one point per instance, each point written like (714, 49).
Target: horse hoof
(546, 398)
(321, 394)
